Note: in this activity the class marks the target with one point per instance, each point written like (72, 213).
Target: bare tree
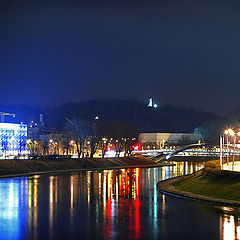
(66, 141)
(94, 138)
(45, 144)
(80, 135)
(119, 146)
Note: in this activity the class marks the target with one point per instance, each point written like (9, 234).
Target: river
(109, 204)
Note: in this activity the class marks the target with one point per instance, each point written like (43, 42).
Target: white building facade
(160, 139)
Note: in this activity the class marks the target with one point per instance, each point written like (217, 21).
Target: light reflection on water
(110, 204)
(230, 227)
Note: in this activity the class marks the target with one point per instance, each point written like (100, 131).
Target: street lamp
(222, 142)
(234, 144)
(230, 132)
(227, 133)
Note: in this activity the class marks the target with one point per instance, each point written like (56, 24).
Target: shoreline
(167, 187)
(21, 168)
(82, 170)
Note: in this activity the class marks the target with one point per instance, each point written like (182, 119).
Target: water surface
(116, 204)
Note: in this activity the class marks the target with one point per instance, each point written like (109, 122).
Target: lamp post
(227, 133)
(234, 147)
(221, 149)
(234, 144)
(232, 133)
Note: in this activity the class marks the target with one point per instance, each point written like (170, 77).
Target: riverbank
(212, 185)
(189, 158)
(20, 167)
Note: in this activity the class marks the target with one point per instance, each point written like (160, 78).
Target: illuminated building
(159, 139)
(13, 138)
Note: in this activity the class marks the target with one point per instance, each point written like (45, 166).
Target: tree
(80, 133)
(94, 138)
(45, 144)
(67, 136)
(119, 146)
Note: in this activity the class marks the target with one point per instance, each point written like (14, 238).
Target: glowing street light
(227, 133)
(234, 135)
(231, 132)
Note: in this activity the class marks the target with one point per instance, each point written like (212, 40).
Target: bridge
(163, 157)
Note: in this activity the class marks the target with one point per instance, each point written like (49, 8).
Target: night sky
(184, 53)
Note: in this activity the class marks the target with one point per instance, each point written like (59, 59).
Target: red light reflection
(127, 184)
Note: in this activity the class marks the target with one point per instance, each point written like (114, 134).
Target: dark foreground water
(119, 204)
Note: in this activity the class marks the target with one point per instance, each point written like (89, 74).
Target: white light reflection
(72, 193)
(155, 203)
(230, 227)
(51, 202)
(35, 210)
(163, 205)
(88, 187)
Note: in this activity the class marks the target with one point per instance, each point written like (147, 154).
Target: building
(158, 140)
(13, 139)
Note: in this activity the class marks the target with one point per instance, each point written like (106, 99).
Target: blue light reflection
(13, 203)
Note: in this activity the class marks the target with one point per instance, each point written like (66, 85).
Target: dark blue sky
(185, 53)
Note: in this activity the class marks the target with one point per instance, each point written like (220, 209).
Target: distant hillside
(212, 129)
(164, 119)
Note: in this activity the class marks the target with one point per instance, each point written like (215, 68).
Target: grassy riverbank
(212, 183)
(21, 166)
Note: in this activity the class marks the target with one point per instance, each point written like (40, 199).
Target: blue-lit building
(13, 139)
